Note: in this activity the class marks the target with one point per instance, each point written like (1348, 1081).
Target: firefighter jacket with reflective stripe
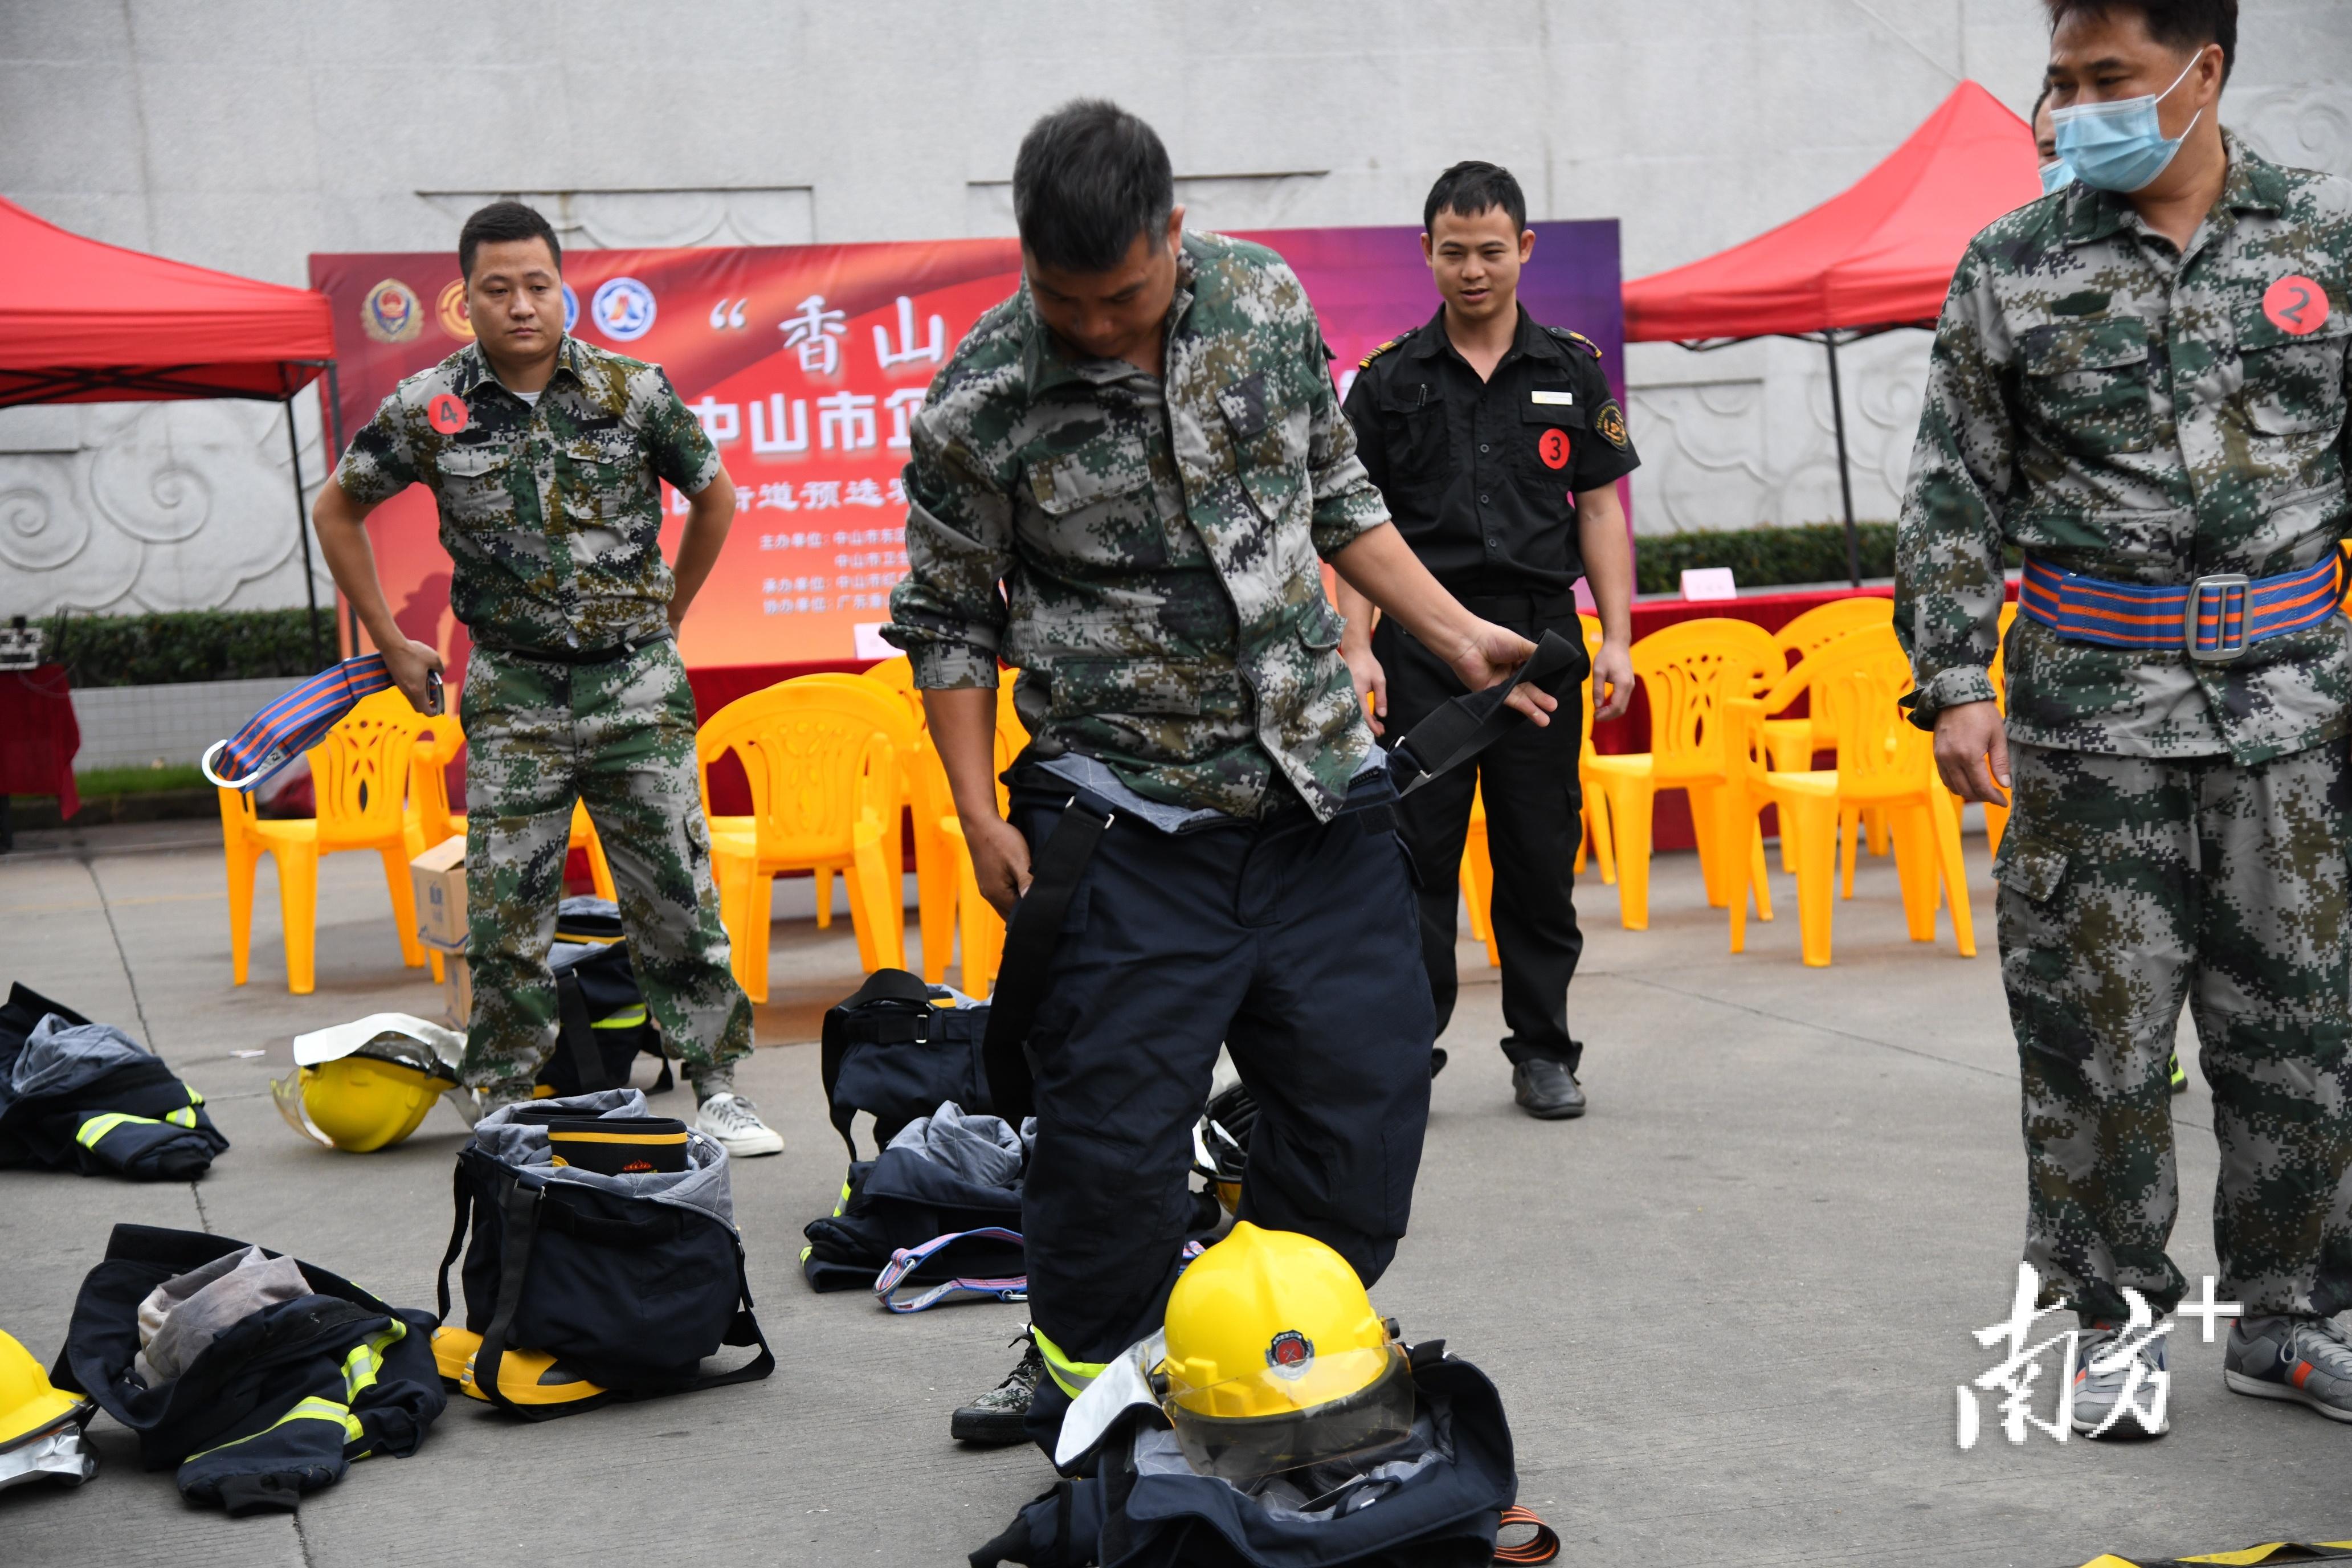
(85, 1096)
(280, 1404)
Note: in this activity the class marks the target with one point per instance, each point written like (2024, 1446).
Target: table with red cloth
(39, 736)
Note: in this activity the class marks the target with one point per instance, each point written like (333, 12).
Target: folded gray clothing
(983, 1150)
(185, 1313)
(59, 1058)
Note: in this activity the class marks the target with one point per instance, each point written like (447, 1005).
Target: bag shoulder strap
(1468, 724)
(1029, 940)
(461, 1194)
(518, 1207)
(743, 1331)
(579, 1036)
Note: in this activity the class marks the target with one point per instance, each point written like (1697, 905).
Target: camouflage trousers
(619, 737)
(2128, 886)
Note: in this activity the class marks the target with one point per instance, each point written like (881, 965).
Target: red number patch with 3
(1553, 449)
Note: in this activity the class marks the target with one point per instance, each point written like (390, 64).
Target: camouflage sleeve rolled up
(1947, 574)
(1347, 505)
(947, 612)
(379, 463)
(680, 450)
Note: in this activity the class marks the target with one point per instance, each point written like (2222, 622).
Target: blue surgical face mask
(2057, 175)
(2119, 146)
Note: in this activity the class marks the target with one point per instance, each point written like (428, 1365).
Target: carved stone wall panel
(623, 219)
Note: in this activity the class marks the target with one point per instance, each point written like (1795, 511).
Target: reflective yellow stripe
(626, 1018)
(185, 1117)
(312, 1409)
(99, 1126)
(1073, 1375)
(366, 1360)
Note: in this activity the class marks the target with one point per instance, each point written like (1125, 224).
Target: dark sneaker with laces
(1546, 1090)
(2122, 1388)
(1000, 1417)
(2306, 1360)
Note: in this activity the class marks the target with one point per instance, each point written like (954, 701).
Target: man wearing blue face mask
(2140, 380)
(2056, 172)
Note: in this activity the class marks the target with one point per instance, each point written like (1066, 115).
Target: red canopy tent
(1876, 256)
(82, 322)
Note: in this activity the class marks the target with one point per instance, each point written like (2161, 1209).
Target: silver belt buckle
(2222, 583)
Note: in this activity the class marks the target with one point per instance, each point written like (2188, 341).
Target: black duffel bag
(608, 1286)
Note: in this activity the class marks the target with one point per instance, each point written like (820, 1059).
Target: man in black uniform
(1497, 444)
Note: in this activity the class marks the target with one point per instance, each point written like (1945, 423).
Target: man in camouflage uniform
(543, 454)
(2141, 381)
(1144, 446)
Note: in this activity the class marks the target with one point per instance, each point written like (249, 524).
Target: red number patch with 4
(1553, 449)
(446, 412)
(2295, 304)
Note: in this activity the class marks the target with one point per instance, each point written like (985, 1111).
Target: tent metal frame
(1829, 338)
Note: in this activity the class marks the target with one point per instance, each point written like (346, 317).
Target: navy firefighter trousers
(1295, 943)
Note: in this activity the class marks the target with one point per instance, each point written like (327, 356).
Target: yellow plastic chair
(822, 757)
(1595, 839)
(1884, 760)
(359, 775)
(1794, 741)
(429, 819)
(978, 927)
(924, 797)
(1997, 816)
(1688, 671)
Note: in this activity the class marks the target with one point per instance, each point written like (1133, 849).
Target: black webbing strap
(844, 1027)
(519, 1209)
(462, 1197)
(1029, 939)
(579, 1036)
(743, 1331)
(1470, 723)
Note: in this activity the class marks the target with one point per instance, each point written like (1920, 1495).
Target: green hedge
(1763, 557)
(188, 644)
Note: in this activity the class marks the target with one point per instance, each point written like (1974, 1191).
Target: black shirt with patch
(1482, 477)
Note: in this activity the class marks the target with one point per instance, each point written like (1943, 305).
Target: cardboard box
(440, 877)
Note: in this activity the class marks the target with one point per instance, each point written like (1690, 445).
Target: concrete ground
(1727, 1310)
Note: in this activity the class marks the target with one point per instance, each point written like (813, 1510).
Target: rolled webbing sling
(1453, 735)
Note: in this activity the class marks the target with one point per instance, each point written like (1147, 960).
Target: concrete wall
(246, 133)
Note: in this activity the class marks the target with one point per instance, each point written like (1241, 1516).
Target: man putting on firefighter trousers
(1145, 448)
(543, 454)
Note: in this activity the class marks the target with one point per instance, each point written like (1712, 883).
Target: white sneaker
(734, 1121)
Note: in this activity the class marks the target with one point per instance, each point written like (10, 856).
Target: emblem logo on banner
(571, 308)
(622, 308)
(391, 314)
(450, 309)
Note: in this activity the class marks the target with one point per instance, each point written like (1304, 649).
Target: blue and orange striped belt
(2214, 619)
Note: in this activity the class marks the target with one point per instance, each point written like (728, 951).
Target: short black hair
(503, 221)
(1472, 187)
(2175, 24)
(1089, 177)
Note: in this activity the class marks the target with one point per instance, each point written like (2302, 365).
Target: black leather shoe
(1546, 1090)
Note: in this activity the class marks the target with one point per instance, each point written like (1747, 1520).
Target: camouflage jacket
(2120, 411)
(1157, 541)
(550, 512)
